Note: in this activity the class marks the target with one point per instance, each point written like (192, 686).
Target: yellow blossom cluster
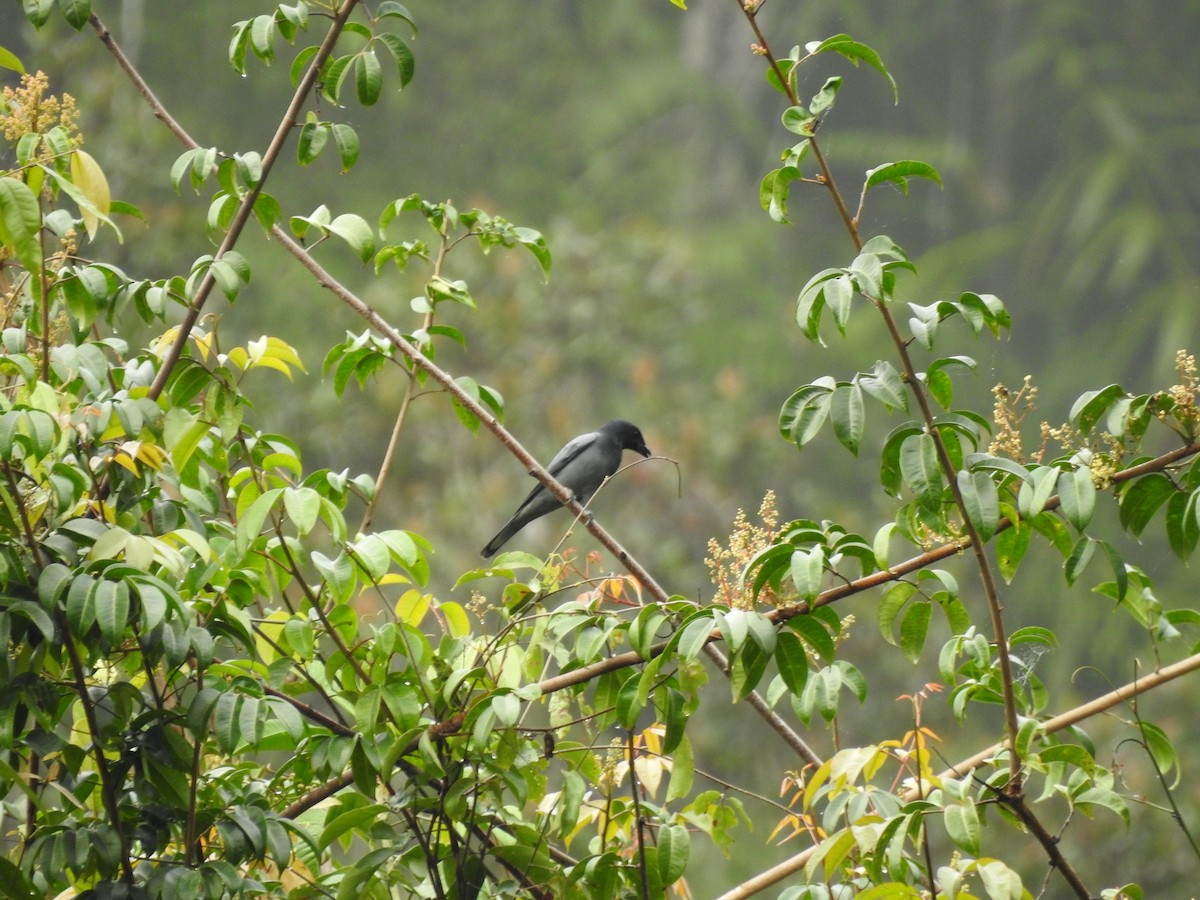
(1009, 410)
(1184, 393)
(727, 563)
(29, 108)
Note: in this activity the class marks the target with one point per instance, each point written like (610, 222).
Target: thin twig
(1049, 842)
(1176, 812)
(108, 790)
(639, 836)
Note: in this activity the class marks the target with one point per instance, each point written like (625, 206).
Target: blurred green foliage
(634, 136)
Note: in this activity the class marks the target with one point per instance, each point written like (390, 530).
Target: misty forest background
(634, 136)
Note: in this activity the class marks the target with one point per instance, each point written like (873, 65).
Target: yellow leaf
(284, 352)
(455, 617)
(268, 362)
(151, 454)
(122, 458)
(89, 178)
(163, 342)
(203, 343)
(411, 607)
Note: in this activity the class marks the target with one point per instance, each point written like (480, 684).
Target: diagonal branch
(246, 207)
(477, 409)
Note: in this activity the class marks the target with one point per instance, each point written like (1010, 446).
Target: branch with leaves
(185, 603)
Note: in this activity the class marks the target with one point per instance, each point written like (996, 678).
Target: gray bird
(581, 467)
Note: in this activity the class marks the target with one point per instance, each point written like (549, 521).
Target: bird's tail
(510, 528)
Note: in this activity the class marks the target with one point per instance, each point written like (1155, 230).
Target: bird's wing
(571, 450)
(561, 460)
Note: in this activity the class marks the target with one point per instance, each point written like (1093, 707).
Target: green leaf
(1033, 494)
(889, 608)
(675, 718)
(919, 469)
(267, 210)
(691, 637)
(848, 416)
(889, 460)
(355, 231)
(867, 273)
(250, 522)
(76, 12)
(406, 63)
(35, 615)
(54, 580)
(112, 610)
(807, 571)
(262, 31)
(643, 633)
(804, 413)
(734, 628)
(1183, 528)
(885, 385)
(311, 142)
(345, 139)
(815, 635)
(913, 629)
(987, 463)
(392, 9)
(1120, 573)
(982, 502)
(9, 60)
(799, 120)
(824, 98)
(629, 701)
(303, 505)
(941, 388)
(1088, 409)
(368, 78)
(238, 45)
(38, 11)
(774, 189)
(1110, 800)
(674, 844)
(814, 297)
(899, 172)
(81, 608)
(792, 661)
(1081, 555)
(1141, 499)
(1011, 545)
(962, 824)
(354, 819)
(1000, 882)
(763, 631)
(1077, 494)
(746, 670)
(20, 224)
(854, 51)
(1159, 746)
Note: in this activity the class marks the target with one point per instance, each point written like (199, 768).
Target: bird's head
(628, 435)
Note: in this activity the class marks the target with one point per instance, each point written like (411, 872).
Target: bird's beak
(644, 450)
